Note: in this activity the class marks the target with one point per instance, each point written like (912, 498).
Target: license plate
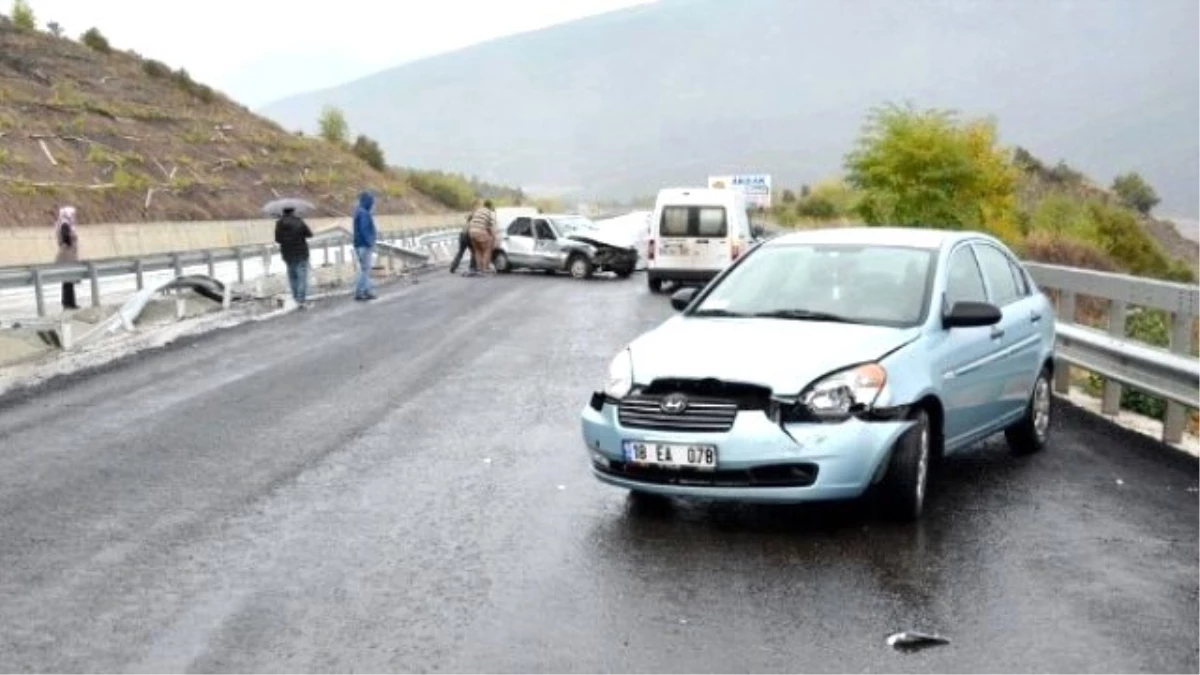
(671, 455)
(674, 249)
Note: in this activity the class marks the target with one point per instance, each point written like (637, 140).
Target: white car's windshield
(884, 285)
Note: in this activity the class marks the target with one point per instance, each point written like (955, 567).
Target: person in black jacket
(464, 245)
(292, 233)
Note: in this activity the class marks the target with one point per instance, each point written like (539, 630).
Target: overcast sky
(260, 50)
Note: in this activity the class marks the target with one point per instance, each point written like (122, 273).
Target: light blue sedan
(825, 363)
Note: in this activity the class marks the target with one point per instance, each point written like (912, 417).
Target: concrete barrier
(35, 245)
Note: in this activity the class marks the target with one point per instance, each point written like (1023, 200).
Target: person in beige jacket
(482, 230)
(68, 250)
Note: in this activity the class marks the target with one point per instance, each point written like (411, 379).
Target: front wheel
(907, 478)
(1031, 433)
(500, 262)
(624, 272)
(579, 267)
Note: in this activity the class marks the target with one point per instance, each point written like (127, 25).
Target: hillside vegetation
(929, 168)
(126, 138)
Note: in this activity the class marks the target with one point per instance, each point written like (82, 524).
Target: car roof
(917, 237)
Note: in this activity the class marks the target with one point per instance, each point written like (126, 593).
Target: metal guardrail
(1172, 374)
(406, 246)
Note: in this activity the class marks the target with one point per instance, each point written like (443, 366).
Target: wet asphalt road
(400, 487)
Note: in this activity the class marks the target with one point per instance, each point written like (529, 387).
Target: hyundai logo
(675, 404)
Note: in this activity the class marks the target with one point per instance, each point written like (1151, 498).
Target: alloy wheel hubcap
(577, 268)
(1041, 408)
(923, 463)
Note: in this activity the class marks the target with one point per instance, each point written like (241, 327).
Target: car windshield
(881, 285)
(573, 224)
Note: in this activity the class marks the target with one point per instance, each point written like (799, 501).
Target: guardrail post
(212, 267)
(1065, 313)
(1181, 339)
(39, 294)
(1111, 404)
(266, 256)
(241, 265)
(139, 273)
(177, 265)
(325, 252)
(94, 278)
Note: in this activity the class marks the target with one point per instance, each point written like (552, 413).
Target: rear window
(693, 221)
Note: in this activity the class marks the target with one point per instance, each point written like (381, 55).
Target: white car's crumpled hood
(785, 355)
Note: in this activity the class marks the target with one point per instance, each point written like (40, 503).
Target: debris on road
(911, 640)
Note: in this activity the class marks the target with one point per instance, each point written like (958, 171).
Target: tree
(1135, 192)
(22, 16)
(370, 152)
(788, 197)
(333, 125)
(928, 169)
(55, 28)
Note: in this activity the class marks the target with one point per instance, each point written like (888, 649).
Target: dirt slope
(126, 139)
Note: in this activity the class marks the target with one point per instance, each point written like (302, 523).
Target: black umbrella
(276, 207)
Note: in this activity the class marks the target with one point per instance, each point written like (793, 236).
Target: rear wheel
(624, 272)
(1031, 433)
(654, 284)
(500, 262)
(579, 266)
(902, 492)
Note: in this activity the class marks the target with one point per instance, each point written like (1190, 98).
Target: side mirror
(681, 298)
(971, 314)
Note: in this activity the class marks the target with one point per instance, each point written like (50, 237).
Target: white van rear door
(693, 236)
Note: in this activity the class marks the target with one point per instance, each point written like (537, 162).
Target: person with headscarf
(364, 245)
(482, 229)
(67, 239)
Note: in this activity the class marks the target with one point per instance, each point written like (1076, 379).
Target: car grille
(773, 475)
(701, 415)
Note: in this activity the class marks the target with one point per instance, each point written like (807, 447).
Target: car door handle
(1035, 317)
(997, 332)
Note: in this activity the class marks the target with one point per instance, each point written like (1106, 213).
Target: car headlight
(620, 376)
(845, 392)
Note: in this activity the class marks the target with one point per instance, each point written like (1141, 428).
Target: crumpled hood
(785, 355)
(601, 237)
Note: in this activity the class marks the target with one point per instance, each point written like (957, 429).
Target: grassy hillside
(124, 138)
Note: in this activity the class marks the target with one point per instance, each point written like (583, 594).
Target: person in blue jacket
(364, 245)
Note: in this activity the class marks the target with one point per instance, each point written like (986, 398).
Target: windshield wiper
(719, 313)
(805, 315)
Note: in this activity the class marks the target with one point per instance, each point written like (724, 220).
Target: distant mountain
(669, 93)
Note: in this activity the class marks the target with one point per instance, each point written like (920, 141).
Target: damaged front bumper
(758, 459)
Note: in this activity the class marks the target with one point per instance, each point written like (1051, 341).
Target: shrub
(1151, 327)
(95, 39)
(369, 151)
(1135, 192)
(450, 190)
(333, 125)
(816, 206)
(22, 16)
(155, 68)
(1055, 248)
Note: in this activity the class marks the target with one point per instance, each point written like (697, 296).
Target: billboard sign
(755, 186)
